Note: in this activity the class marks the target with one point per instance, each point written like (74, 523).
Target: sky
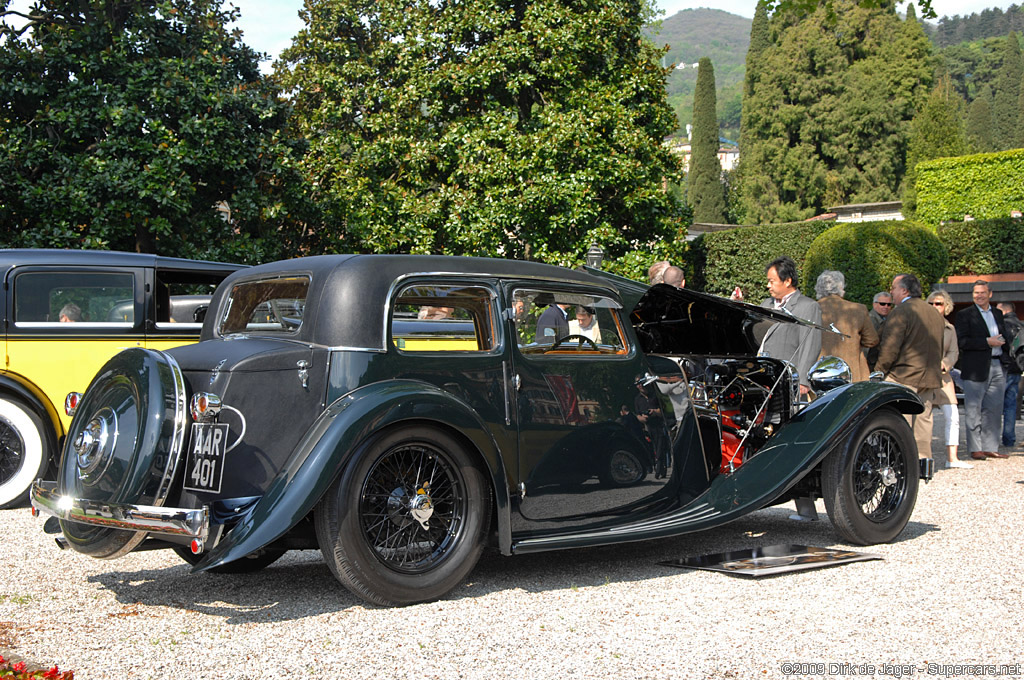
(269, 25)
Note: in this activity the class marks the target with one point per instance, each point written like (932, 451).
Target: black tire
(370, 539)
(870, 486)
(253, 562)
(25, 451)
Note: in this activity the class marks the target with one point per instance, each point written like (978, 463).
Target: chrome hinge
(303, 372)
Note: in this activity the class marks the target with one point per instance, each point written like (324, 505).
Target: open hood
(672, 320)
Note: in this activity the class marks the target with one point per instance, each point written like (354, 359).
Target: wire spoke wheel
(870, 485)
(24, 451)
(880, 476)
(12, 452)
(406, 520)
(413, 507)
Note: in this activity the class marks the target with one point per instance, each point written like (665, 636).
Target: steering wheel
(580, 338)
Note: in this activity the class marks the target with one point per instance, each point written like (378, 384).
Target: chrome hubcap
(94, 444)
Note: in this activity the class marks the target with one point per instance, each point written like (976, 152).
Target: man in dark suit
(980, 335)
(910, 353)
(553, 324)
(798, 344)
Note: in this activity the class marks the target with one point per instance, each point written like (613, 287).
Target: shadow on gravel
(300, 585)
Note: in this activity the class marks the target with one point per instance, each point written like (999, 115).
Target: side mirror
(829, 373)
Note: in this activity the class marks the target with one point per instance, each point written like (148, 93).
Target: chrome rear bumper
(148, 518)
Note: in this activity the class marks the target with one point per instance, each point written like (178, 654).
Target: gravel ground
(948, 592)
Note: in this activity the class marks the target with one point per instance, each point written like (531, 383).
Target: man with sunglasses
(880, 308)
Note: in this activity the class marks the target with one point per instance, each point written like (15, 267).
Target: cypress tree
(1007, 92)
(937, 131)
(704, 184)
(760, 40)
(979, 122)
(1020, 115)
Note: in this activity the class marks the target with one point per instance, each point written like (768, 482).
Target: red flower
(19, 667)
(52, 673)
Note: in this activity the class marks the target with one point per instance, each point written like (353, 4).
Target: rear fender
(336, 436)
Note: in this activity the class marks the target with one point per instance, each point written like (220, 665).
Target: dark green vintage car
(402, 413)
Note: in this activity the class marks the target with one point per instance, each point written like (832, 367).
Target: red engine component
(732, 453)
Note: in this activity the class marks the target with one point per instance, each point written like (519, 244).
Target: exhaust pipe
(62, 542)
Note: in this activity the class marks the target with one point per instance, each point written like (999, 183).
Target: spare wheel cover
(124, 444)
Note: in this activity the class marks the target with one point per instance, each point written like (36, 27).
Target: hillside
(718, 35)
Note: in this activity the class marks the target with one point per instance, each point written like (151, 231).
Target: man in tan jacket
(910, 353)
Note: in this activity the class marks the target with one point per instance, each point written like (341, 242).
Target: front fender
(805, 441)
(331, 442)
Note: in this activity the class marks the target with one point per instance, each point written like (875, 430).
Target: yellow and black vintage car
(65, 314)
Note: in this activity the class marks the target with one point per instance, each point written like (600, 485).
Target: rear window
(85, 298)
(443, 318)
(266, 306)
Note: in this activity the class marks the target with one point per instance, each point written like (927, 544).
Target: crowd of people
(908, 340)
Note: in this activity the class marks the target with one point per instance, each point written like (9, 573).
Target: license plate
(205, 462)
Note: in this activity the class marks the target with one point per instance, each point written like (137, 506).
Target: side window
(551, 321)
(100, 298)
(268, 305)
(443, 318)
(182, 298)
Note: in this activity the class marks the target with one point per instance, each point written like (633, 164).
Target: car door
(589, 445)
(66, 322)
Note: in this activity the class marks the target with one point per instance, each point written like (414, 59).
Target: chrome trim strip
(181, 424)
(688, 516)
(141, 518)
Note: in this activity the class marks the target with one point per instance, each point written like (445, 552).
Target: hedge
(723, 260)
(870, 254)
(985, 186)
(984, 246)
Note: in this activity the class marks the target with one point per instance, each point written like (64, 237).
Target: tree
(139, 125)
(936, 132)
(703, 182)
(521, 129)
(1006, 93)
(979, 122)
(827, 121)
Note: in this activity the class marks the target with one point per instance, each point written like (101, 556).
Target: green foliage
(984, 186)
(973, 66)
(979, 123)
(936, 132)
(984, 246)
(519, 129)
(136, 126)
(1006, 95)
(988, 23)
(827, 121)
(725, 259)
(704, 183)
(870, 254)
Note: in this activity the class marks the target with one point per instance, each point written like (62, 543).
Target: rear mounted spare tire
(124, 445)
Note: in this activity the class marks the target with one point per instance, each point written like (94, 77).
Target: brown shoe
(995, 454)
(978, 455)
